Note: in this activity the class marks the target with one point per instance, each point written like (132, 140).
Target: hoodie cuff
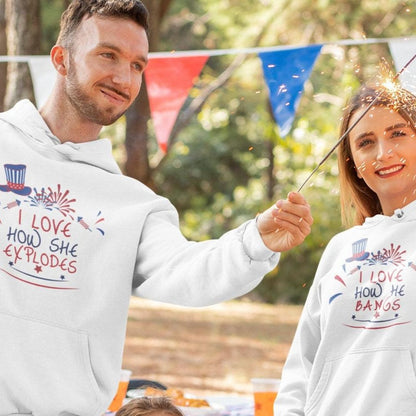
(254, 246)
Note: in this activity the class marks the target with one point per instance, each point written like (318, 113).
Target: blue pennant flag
(285, 72)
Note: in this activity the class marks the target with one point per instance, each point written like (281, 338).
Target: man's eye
(138, 67)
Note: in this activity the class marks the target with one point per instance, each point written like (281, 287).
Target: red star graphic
(38, 269)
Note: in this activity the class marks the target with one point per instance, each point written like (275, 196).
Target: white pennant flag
(402, 50)
(43, 77)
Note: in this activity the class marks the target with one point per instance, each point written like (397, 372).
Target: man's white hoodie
(76, 236)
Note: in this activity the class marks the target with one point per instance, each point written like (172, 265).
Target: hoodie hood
(25, 117)
(404, 214)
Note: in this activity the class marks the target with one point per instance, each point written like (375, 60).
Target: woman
(354, 350)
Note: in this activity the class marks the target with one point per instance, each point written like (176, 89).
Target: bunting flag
(402, 51)
(285, 73)
(43, 76)
(168, 82)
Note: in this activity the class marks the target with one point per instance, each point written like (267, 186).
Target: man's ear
(58, 55)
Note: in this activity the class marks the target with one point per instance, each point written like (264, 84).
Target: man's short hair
(78, 9)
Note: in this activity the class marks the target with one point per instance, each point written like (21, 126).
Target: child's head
(356, 195)
(149, 406)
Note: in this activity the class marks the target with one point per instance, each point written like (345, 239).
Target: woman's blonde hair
(358, 201)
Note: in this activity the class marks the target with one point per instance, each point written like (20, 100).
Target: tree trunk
(3, 51)
(23, 38)
(137, 162)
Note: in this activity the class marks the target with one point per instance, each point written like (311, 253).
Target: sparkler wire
(323, 160)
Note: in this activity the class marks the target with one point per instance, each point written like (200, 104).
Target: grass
(208, 351)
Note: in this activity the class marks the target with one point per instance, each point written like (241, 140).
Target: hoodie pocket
(45, 369)
(364, 382)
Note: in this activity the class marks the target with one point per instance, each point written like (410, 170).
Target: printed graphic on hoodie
(37, 231)
(377, 283)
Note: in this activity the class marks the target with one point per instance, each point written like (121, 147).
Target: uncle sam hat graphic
(358, 251)
(15, 177)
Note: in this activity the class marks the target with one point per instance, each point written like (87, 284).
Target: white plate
(231, 401)
(213, 410)
(135, 393)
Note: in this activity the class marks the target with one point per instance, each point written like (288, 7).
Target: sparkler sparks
(400, 99)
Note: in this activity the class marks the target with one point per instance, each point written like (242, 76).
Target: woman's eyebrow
(397, 126)
(362, 135)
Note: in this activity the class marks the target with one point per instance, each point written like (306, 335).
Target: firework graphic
(412, 265)
(98, 220)
(386, 256)
(40, 199)
(89, 227)
(53, 200)
(61, 202)
(12, 204)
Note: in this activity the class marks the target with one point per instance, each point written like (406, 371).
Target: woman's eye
(398, 133)
(364, 142)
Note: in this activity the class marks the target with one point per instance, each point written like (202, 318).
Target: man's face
(105, 68)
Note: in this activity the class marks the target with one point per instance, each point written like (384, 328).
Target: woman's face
(383, 147)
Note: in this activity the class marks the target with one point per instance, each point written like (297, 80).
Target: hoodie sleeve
(291, 399)
(172, 269)
(296, 374)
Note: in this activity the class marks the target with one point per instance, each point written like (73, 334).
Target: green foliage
(51, 11)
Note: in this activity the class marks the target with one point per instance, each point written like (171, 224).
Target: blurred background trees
(226, 159)
(23, 37)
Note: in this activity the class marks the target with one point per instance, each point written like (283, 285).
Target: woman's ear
(58, 54)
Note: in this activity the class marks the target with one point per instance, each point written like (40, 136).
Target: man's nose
(122, 75)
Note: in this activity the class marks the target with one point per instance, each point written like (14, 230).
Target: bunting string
(236, 51)
(285, 68)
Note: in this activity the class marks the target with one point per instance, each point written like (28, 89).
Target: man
(76, 235)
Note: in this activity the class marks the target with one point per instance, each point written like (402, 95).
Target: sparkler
(389, 84)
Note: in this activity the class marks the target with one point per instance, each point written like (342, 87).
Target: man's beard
(85, 105)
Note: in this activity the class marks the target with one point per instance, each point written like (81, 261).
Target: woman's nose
(384, 150)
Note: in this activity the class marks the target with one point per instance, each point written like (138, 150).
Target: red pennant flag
(168, 83)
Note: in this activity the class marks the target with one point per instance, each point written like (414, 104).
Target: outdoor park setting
(241, 103)
(209, 351)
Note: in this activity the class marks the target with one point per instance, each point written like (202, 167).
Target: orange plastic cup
(121, 391)
(265, 392)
